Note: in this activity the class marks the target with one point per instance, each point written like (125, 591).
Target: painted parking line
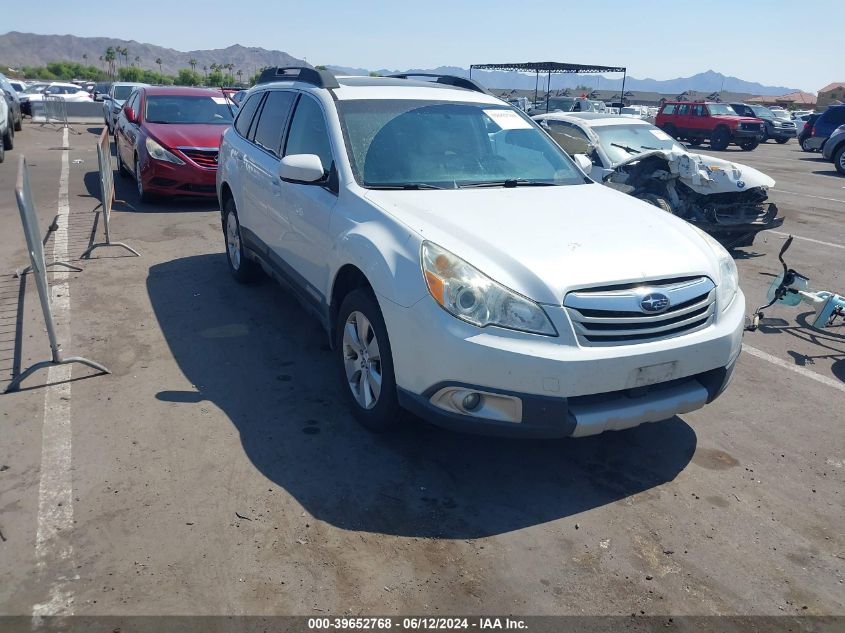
(808, 239)
(803, 371)
(807, 195)
(53, 551)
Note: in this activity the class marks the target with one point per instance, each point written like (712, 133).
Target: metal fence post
(55, 111)
(29, 220)
(106, 193)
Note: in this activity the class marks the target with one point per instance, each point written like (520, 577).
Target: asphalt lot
(216, 471)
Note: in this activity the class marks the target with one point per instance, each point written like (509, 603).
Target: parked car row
(10, 115)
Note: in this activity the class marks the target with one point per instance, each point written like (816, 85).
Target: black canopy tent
(553, 68)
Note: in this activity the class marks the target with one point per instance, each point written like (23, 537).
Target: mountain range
(29, 49)
(709, 81)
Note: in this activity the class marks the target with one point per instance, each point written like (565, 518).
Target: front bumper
(746, 134)
(564, 389)
(786, 133)
(169, 179)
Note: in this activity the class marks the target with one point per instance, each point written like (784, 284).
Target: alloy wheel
(233, 241)
(362, 360)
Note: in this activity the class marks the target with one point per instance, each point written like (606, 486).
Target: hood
(707, 174)
(186, 135)
(543, 242)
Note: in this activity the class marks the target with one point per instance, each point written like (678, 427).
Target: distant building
(795, 100)
(832, 94)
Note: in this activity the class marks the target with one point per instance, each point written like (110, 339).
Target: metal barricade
(106, 193)
(55, 113)
(29, 220)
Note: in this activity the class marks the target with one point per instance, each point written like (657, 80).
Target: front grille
(752, 127)
(206, 158)
(613, 315)
(198, 188)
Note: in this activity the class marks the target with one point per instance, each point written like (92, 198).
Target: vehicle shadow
(255, 354)
(830, 341)
(827, 172)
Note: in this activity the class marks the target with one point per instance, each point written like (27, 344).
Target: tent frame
(551, 68)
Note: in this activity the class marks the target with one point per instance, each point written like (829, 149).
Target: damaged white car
(723, 198)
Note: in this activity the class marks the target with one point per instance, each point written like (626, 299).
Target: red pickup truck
(703, 120)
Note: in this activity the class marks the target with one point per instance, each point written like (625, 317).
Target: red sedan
(169, 138)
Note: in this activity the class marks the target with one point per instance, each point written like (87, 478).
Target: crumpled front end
(725, 199)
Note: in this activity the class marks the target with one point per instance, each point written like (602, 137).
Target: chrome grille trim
(609, 316)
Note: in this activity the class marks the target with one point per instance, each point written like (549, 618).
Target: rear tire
(365, 362)
(720, 139)
(694, 142)
(749, 144)
(839, 159)
(243, 269)
(781, 141)
(671, 130)
(19, 124)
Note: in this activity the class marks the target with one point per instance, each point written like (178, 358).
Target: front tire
(658, 201)
(671, 130)
(765, 136)
(19, 124)
(9, 136)
(143, 194)
(243, 269)
(749, 144)
(365, 361)
(781, 141)
(2, 150)
(720, 139)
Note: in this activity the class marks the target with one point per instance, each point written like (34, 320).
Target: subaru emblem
(654, 302)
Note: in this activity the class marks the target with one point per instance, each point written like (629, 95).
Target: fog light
(472, 401)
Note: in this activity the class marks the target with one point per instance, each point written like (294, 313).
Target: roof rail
(449, 80)
(319, 78)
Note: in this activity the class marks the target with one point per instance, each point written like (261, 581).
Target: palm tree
(192, 63)
(110, 56)
(240, 74)
(85, 58)
(205, 71)
(158, 61)
(102, 62)
(137, 61)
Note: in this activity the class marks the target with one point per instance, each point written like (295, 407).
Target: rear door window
(272, 120)
(683, 110)
(247, 113)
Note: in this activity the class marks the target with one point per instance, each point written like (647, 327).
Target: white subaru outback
(464, 266)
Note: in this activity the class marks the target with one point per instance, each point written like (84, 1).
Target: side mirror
(584, 162)
(130, 114)
(303, 168)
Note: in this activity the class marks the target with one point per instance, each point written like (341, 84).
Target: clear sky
(774, 42)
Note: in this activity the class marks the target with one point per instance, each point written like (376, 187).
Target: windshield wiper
(509, 183)
(408, 186)
(630, 150)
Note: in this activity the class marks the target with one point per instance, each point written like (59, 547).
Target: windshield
(34, 89)
(762, 112)
(561, 103)
(620, 142)
(122, 92)
(432, 144)
(188, 109)
(721, 108)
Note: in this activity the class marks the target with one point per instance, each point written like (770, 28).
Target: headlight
(159, 153)
(728, 282)
(470, 295)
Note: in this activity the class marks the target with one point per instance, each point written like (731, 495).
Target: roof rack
(449, 80)
(319, 78)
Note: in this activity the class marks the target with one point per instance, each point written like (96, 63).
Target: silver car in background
(114, 100)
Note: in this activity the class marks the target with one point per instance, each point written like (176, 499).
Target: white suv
(464, 266)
